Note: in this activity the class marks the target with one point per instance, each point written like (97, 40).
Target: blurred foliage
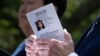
(10, 34)
(79, 14)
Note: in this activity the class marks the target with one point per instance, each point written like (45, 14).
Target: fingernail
(65, 30)
(33, 36)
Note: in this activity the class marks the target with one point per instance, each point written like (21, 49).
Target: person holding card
(89, 44)
(53, 47)
(44, 46)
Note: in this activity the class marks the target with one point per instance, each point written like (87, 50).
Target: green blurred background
(79, 14)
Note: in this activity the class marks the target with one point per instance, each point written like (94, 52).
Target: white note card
(45, 23)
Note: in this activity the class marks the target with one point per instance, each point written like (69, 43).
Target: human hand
(62, 48)
(37, 47)
(30, 46)
(53, 47)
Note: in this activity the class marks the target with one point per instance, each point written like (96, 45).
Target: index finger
(30, 40)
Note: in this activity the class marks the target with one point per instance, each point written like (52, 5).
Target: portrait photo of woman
(40, 25)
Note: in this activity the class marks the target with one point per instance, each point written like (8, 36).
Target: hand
(37, 47)
(62, 48)
(30, 48)
(53, 47)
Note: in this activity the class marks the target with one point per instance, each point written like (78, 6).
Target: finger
(29, 50)
(58, 48)
(33, 37)
(43, 44)
(67, 36)
(54, 42)
(43, 52)
(68, 39)
(59, 44)
(30, 40)
(41, 40)
(30, 54)
(55, 48)
(31, 44)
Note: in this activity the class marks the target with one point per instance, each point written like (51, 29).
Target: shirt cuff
(73, 54)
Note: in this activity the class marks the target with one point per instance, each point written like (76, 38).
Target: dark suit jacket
(20, 51)
(90, 45)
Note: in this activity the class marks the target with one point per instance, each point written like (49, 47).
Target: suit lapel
(85, 40)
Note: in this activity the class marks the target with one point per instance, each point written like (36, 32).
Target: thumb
(67, 36)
